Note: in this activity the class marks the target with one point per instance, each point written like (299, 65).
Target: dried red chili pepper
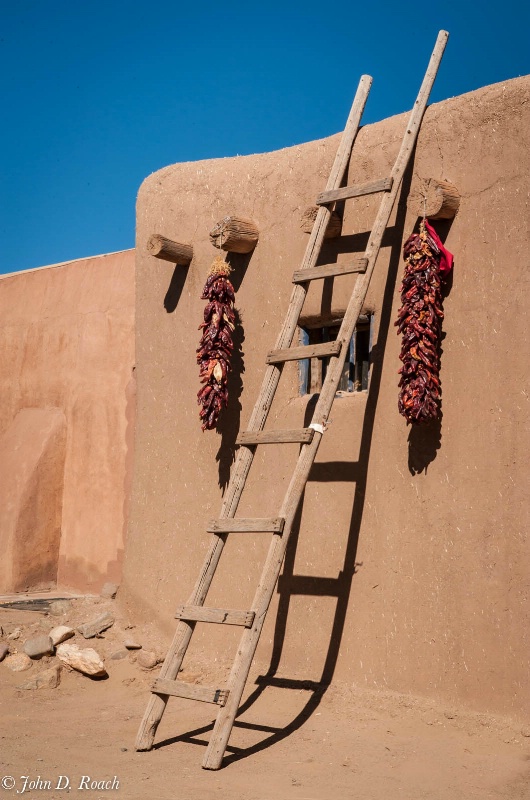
(419, 321)
(216, 345)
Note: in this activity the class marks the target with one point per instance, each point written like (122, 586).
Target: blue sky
(97, 95)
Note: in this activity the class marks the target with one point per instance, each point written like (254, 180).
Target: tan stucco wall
(419, 551)
(32, 452)
(67, 342)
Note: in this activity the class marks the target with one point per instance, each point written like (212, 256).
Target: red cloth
(446, 258)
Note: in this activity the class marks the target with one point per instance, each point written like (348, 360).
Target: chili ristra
(419, 321)
(216, 345)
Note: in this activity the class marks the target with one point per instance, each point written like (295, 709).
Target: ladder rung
(383, 185)
(190, 691)
(329, 270)
(302, 435)
(227, 616)
(234, 525)
(308, 351)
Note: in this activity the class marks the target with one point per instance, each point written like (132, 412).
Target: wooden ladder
(252, 620)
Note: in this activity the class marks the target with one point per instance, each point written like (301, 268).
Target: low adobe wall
(411, 569)
(67, 348)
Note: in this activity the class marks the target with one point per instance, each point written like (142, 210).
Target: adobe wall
(411, 571)
(67, 343)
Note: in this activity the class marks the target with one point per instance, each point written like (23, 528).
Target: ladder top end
(365, 82)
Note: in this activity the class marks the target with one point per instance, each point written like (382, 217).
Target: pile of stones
(20, 654)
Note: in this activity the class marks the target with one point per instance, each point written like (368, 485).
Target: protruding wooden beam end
(235, 234)
(436, 199)
(168, 250)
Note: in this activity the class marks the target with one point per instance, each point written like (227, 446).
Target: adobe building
(409, 568)
(66, 423)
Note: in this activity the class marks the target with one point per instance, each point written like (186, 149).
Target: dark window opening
(356, 370)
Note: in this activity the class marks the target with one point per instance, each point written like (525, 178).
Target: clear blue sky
(97, 95)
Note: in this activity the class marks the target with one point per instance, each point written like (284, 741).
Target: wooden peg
(442, 200)
(235, 235)
(167, 249)
(334, 225)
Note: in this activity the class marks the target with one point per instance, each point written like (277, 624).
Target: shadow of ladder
(229, 698)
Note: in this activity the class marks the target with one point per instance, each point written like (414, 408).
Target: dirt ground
(291, 740)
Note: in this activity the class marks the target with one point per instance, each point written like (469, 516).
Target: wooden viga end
(235, 234)
(168, 250)
(436, 199)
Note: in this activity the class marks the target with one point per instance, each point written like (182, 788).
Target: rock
(38, 646)
(119, 654)
(147, 659)
(48, 679)
(130, 644)
(91, 629)
(525, 730)
(18, 662)
(60, 607)
(86, 661)
(16, 634)
(4, 650)
(109, 590)
(61, 633)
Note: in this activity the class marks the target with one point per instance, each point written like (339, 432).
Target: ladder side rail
(273, 564)
(178, 647)
(334, 371)
(272, 375)
(177, 650)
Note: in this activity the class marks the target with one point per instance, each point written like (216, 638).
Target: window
(356, 366)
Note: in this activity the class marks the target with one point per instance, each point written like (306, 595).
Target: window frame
(308, 383)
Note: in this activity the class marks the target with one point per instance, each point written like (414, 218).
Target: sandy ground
(289, 741)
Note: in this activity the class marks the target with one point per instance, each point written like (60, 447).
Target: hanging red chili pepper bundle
(216, 345)
(420, 322)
